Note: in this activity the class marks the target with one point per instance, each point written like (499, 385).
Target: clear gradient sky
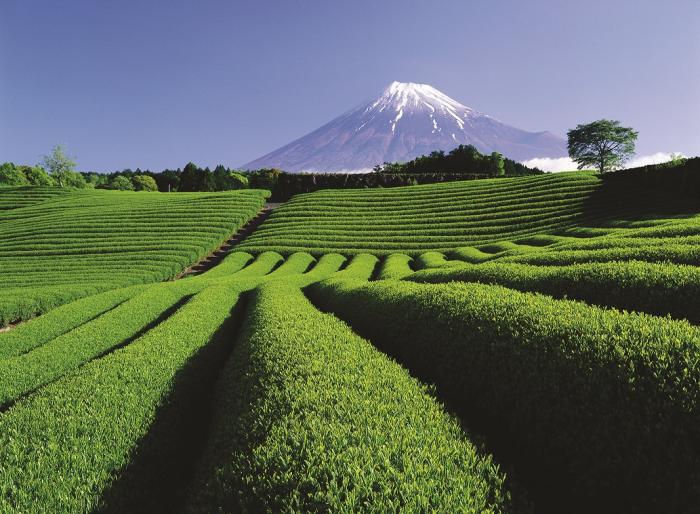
(155, 84)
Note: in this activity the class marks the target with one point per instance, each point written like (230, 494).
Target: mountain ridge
(405, 121)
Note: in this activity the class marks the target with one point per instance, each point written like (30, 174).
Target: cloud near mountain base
(566, 164)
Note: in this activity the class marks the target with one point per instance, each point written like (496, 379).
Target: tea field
(58, 245)
(509, 345)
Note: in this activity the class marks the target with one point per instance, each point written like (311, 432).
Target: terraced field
(58, 245)
(555, 316)
(449, 216)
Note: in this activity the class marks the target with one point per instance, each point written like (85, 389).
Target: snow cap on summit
(404, 121)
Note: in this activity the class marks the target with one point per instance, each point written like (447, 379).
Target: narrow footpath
(220, 253)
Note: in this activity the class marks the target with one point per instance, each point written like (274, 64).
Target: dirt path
(9, 327)
(220, 253)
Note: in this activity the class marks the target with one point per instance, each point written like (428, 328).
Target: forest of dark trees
(465, 159)
(463, 163)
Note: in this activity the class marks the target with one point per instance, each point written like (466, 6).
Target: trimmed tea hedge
(57, 248)
(600, 409)
(658, 289)
(310, 417)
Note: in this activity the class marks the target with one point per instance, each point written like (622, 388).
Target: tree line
(603, 144)
(465, 159)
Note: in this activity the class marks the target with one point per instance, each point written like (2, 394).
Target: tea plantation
(508, 345)
(58, 245)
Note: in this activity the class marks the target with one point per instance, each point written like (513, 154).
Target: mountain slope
(406, 120)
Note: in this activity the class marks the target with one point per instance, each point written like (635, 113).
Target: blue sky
(155, 84)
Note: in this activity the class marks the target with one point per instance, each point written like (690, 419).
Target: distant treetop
(465, 159)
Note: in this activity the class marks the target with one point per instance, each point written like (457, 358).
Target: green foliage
(72, 179)
(301, 407)
(11, 175)
(144, 183)
(448, 218)
(227, 180)
(238, 180)
(603, 144)
(121, 183)
(62, 168)
(28, 371)
(55, 252)
(498, 164)
(27, 336)
(600, 409)
(395, 266)
(37, 176)
(86, 428)
(463, 159)
(194, 178)
(435, 217)
(265, 178)
(659, 289)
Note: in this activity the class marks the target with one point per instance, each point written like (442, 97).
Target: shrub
(311, 418)
(600, 410)
(144, 183)
(37, 176)
(10, 175)
(89, 429)
(653, 288)
(121, 183)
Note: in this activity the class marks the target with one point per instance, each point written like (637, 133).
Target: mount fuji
(405, 121)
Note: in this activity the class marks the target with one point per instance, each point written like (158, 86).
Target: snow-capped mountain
(406, 120)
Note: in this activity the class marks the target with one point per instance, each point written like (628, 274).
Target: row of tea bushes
(311, 418)
(599, 409)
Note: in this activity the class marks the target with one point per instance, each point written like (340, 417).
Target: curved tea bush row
(310, 417)
(599, 409)
(27, 336)
(418, 219)
(25, 303)
(97, 240)
(658, 289)
(28, 371)
(23, 196)
(675, 253)
(395, 266)
(360, 267)
(63, 447)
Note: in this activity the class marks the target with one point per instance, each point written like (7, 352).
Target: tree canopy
(10, 175)
(603, 144)
(62, 168)
(121, 183)
(464, 159)
(144, 183)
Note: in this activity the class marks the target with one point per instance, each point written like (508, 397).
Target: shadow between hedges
(628, 195)
(164, 462)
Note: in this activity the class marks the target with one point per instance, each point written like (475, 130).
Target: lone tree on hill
(60, 166)
(603, 145)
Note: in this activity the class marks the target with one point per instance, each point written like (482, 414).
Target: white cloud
(326, 170)
(656, 158)
(550, 164)
(566, 164)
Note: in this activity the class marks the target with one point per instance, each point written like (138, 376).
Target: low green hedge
(395, 266)
(598, 409)
(60, 320)
(311, 418)
(28, 371)
(653, 288)
(73, 446)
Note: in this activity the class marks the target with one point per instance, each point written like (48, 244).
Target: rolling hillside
(451, 217)
(556, 316)
(57, 245)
